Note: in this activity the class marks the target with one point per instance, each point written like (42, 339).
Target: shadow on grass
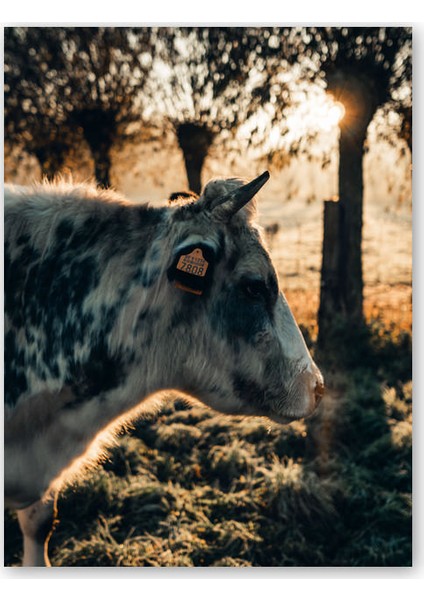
(363, 434)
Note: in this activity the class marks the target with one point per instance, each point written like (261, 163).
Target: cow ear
(193, 264)
(182, 198)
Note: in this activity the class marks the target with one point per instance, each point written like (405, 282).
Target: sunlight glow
(336, 113)
(319, 112)
(314, 113)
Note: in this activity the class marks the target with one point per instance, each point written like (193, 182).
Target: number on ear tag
(192, 270)
(193, 263)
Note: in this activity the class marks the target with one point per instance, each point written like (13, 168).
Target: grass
(193, 488)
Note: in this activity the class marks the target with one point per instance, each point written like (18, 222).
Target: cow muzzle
(304, 396)
(311, 382)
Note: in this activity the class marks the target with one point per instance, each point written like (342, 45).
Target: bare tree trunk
(99, 128)
(194, 141)
(351, 188)
(345, 296)
(102, 164)
(51, 158)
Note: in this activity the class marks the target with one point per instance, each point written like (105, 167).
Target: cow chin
(286, 411)
(285, 418)
(280, 420)
(299, 404)
(288, 406)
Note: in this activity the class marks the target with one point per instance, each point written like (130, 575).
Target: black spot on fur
(99, 374)
(248, 389)
(146, 222)
(46, 294)
(15, 381)
(109, 314)
(76, 331)
(23, 239)
(54, 300)
(17, 272)
(233, 316)
(147, 276)
(148, 216)
(64, 230)
(146, 319)
(45, 291)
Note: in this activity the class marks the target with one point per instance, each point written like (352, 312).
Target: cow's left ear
(193, 264)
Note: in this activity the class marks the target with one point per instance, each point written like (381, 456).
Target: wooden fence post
(330, 292)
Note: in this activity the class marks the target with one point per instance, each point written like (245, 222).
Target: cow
(109, 303)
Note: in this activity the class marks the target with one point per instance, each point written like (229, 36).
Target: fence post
(330, 292)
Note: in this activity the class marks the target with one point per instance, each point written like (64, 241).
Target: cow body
(76, 298)
(101, 317)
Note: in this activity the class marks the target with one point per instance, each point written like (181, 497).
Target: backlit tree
(61, 82)
(206, 82)
(35, 118)
(364, 69)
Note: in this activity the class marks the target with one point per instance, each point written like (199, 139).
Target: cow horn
(228, 205)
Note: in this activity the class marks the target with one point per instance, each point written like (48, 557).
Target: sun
(336, 113)
(319, 112)
(326, 113)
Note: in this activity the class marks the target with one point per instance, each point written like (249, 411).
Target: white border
(363, 580)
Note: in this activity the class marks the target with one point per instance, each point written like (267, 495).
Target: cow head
(231, 338)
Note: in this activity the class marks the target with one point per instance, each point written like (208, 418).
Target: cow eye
(254, 289)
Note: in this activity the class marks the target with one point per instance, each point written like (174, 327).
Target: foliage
(380, 56)
(210, 76)
(302, 62)
(35, 119)
(63, 84)
(241, 84)
(207, 82)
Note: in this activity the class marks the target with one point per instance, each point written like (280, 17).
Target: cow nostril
(319, 391)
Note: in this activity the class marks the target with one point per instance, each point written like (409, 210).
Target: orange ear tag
(195, 265)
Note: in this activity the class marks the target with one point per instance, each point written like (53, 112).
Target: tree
(206, 82)
(34, 119)
(364, 68)
(76, 80)
(107, 70)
